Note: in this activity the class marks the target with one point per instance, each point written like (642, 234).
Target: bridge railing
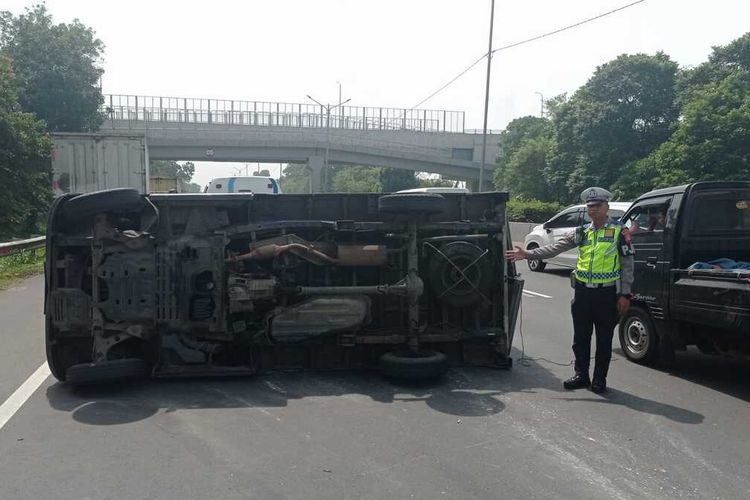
(277, 114)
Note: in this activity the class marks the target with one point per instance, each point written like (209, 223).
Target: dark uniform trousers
(593, 307)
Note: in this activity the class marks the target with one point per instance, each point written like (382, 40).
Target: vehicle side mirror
(545, 226)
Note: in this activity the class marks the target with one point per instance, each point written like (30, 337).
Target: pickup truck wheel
(106, 372)
(535, 265)
(424, 365)
(638, 337)
(411, 203)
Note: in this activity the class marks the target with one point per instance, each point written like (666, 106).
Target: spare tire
(106, 372)
(120, 200)
(465, 287)
(411, 203)
(424, 365)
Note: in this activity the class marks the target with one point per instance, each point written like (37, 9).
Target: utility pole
(341, 109)
(486, 101)
(328, 108)
(541, 104)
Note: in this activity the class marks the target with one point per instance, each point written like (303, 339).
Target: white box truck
(83, 163)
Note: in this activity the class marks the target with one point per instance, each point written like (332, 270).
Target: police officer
(603, 279)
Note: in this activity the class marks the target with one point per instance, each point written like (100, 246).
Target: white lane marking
(23, 393)
(536, 294)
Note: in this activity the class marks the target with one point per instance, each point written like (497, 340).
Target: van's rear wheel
(424, 365)
(105, 372)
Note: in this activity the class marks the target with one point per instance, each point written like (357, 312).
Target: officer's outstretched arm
(567, 242)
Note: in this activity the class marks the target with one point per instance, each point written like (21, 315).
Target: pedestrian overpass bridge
(433, 141)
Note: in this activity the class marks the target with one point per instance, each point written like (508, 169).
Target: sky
(385, 53)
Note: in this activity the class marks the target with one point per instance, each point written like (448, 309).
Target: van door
(648, 226)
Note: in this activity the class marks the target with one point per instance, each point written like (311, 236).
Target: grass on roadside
(21, 265)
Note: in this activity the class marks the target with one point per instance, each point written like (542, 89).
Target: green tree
(263, 173)
(525, 173)
(57, 68)
(24, 161)
(396, 179)
(621, 115)
(357, 179)
(171, 169)
(512, 138)
(712, 139)
(295, 179)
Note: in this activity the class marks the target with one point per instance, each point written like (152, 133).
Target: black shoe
(577, 381)
(598, 386)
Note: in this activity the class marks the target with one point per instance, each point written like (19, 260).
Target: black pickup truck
(234, 284)
(692, 243)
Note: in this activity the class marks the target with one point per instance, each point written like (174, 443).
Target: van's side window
(647, 222)
(569, 219)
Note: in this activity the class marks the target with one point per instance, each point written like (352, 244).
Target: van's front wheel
(637, 336)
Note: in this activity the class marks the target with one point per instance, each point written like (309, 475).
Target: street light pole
(541, 104)
(341, 111)
(328, 108)
(486, 101)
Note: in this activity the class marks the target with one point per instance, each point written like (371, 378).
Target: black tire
(411, 203)
(444, 276)
(405, 366)
(86, 205)
(107, 371)
(638, 337)
(535, 265)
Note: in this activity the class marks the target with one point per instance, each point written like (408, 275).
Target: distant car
(560, 225)
(437, 190)
(249, 184)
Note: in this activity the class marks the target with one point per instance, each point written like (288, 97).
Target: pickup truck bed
(716, 299)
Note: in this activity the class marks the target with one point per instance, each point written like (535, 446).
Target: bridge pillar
(315, 164)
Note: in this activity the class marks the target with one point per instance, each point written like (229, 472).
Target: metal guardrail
(277, 114)
(14, 247)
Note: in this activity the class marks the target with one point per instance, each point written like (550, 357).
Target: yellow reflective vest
(599, 253)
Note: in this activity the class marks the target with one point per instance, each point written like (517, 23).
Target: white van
(252, 184)
(438, 190)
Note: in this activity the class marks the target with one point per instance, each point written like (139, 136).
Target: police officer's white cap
(595, 195)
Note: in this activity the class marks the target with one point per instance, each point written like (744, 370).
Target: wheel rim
(637, 337)
(533, 265)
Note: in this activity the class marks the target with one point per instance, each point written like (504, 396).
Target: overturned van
(236, 284)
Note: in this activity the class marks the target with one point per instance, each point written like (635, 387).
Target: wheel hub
(637, 336)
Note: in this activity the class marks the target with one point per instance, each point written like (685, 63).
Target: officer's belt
(595, 285)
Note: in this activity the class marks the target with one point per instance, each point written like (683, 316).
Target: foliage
(512, 138)
(525, 173)
(357, 179)
(349, 179)
(532, 210)
(57, 68)
(396, 179)
(263, 173)
(295, 179)
(24, 162)
(171, 169)
(622, 114)
(21, 265)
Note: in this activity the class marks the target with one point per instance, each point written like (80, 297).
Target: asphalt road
(477, 434)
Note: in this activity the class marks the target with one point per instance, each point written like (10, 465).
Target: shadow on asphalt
(465, 391)
(643, 405)
(720, 373)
